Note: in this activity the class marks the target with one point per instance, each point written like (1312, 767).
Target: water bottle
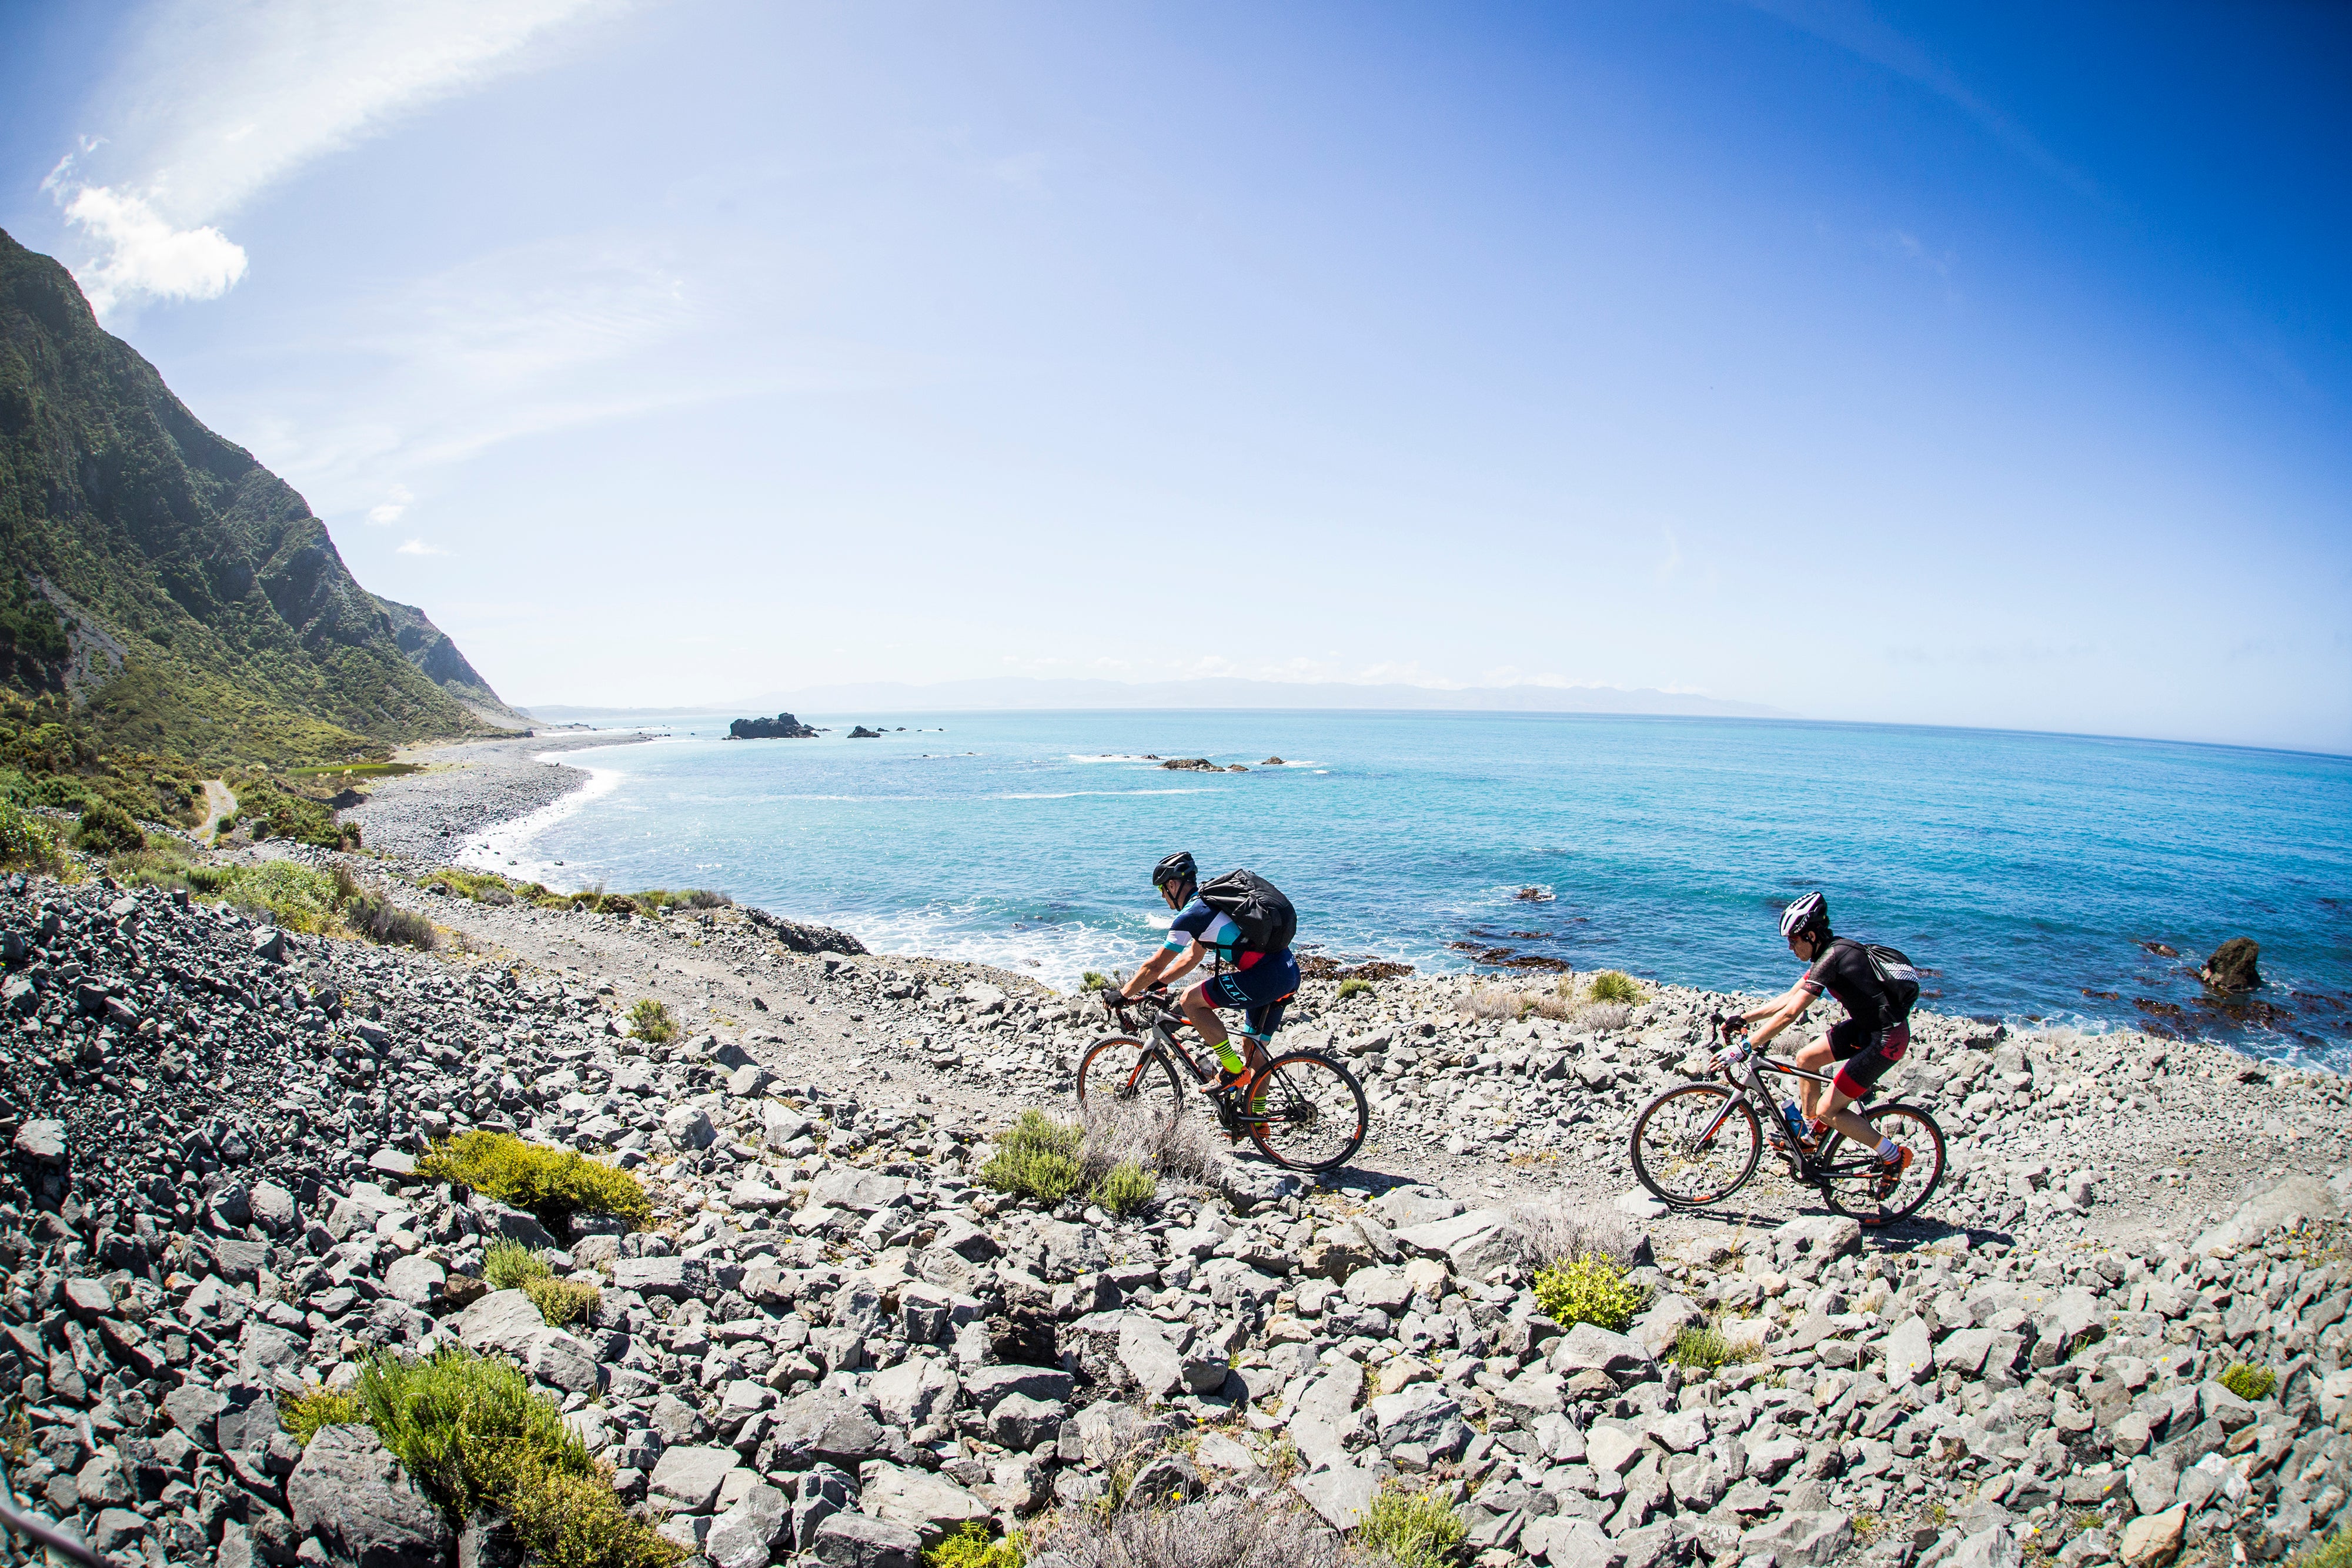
(1796, 1121)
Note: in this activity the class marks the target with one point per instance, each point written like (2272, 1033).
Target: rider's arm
(1179, 962)
(1778, 1015)
(1146, 976)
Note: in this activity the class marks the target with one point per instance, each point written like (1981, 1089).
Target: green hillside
(179, 595)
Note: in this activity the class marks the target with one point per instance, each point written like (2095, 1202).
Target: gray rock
(1019, 1422)
(861, 1540)
(360, 1505)
(415, 1280)
(907, 1393)
(43, 1143)
(931, 1504)
(860, 1191)
(1342, 1494)
(1587, 1347)
(688, 1126)
(1910, 1356)
(502, 1321)
(562, 1362)
(1475, 1244)
(984, 1385)
(744, 1536)
(1422, 1413)
(193, 1408)
(688, 1478)
(2299, 1197)
(1800, 1540)
(677, 1277)
(272, 1207)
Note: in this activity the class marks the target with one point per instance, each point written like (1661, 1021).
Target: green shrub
(303, 1414)
(969, 1547)
(1702, 1350)
(510, 1265)
(1614, 986)
(1095, 980)
(106, 829)
(1413, 1529)
(561, 1301)
(649, 1020)
(1589, 1289)
(1037, 1157)
(2249, 1382)
(553, 1184)
(1126, 1187)
(294, 897)
(1354, 988)
(473, 1436)
(25, 839)
(2336, 1552)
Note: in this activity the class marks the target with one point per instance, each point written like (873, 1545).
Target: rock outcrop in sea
(783, 726)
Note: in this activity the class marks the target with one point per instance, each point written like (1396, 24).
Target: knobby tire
(1670, 1160)
(1120, 1071)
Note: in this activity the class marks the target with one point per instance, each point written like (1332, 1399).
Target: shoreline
(499, 790)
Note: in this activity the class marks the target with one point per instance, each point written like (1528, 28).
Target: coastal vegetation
(553, 1184)
(477, 1440)
(1591, 1289)
(1109, 1161)
(489, 887)
(649, 1020)
(1413, 1529)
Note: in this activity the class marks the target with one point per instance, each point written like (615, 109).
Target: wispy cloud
(1850, 25)
(418, 547)
(395, 503)
(219, 101)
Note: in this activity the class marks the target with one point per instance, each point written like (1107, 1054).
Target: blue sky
(1950, 365)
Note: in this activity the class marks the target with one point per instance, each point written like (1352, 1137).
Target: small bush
(1589, 1289)
(289, 895)
(1551, 1230)
(561, 1301)
(380, 920)
(303, 1414)
(650, 1021)
(1273, 1532)
(1037, 1157)
(2336, 1552)
(510, 1265)
(1414, 1530)
(106, 829)
(969, 1547)
(2248, 1381)
(1598, 1018)
(1354, 988)
(1614, 986)
(1702, 1350)
(25, 839)
(1095, 980)
(553, 1184)
(1126, 1187)
(475, 1437)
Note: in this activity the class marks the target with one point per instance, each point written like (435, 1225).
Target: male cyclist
(1869, 1040)
(1259, 983)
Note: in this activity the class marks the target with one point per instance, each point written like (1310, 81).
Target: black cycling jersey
(1845, 972)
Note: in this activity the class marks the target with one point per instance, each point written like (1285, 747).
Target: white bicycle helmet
(1807, 913)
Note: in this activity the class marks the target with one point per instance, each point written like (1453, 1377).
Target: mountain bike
(1698, 1143)
(1303, 1110)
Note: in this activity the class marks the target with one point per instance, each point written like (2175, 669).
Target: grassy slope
(243, 633)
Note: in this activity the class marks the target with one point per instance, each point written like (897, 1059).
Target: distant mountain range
(1017, 691)
(179, 595)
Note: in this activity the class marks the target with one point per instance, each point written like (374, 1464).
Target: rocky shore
(835, 1343)
(467, 789)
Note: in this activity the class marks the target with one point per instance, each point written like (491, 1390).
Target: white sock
(1885, 1148)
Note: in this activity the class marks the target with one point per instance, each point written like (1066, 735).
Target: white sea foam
(507, 848)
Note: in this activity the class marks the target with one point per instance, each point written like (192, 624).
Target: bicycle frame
(1766, 1107)
(1161, 1032)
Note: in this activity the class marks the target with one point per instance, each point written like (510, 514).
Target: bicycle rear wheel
(1307, 1111)
(1863, 1194)
(1696, 1144)
(1120, 1073)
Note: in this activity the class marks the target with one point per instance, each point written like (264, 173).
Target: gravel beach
(467, 789)
(838, 1341)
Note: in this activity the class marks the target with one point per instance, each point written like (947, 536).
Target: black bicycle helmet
(1177, 867)
(1809, 913)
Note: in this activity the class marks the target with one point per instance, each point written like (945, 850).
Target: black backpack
(1256, 905)
(1898, 980)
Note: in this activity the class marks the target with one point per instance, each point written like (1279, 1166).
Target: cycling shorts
(1864, 1054)
(1264, 990)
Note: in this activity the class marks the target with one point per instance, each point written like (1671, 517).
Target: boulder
(2233, 967)
(1342, 1494)
(353, 1496)
(1800, 1540)
(987, 1385)
(1587, 1347)
(688, 1478)
(415, 1280)
(862, 1540)
(502, 1321)
(43, 1143)
(2154, 1539)
(931, 1504)
(744, 1535)
(1424, 1414)
(1475, 1244)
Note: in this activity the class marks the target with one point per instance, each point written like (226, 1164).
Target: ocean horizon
(2038, 875)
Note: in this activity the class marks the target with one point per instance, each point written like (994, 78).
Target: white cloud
(418, 547)
(219, 101)
(396, 503)
(143, 256)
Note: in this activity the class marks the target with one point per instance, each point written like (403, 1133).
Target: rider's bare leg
(1815, 1057)
(1194, 1005)
(1850, 1123)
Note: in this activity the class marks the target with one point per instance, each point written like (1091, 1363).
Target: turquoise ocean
(2031, 872)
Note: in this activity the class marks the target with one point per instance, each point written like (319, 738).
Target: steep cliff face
(175, 589)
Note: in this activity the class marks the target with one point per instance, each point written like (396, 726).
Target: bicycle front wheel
(1854, 1186)
(1307, 1111)
(1696, 1144)
(1121, 1073)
